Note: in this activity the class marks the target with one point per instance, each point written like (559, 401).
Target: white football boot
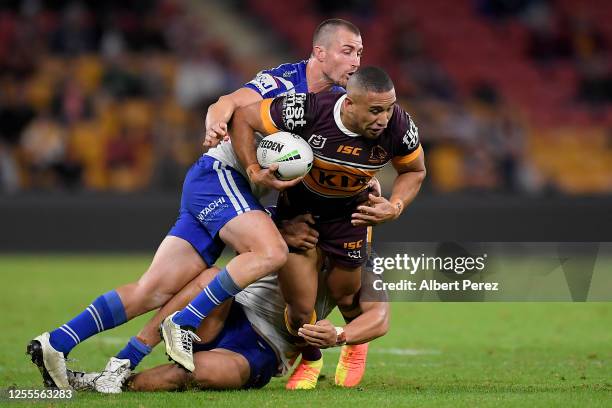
(114, 375)
(179, 342)
(50, 362)
(82, 381)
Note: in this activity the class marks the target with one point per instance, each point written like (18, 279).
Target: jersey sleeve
(293, 113)
(269, 85)
(406, 143)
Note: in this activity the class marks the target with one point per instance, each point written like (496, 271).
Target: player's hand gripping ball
(292, 154)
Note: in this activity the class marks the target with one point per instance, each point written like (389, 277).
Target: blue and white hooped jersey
(282, 80)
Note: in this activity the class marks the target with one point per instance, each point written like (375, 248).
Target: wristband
(340, 336)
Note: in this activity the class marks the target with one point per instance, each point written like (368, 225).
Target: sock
(221, 288)
(104, 313)
(134, 351)
(311, 353)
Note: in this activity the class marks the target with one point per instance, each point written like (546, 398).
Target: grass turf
(436, 354)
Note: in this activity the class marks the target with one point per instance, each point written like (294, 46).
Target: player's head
(337, 46)
(369, 103)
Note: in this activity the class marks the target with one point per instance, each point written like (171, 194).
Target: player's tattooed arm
(220, 113)
(409, 179)
(246, 121)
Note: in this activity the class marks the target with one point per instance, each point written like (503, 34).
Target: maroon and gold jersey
(344, 161)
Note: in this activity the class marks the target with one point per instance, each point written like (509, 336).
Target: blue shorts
(213, 194)
(239, 336)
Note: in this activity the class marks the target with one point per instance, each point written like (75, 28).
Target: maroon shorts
(345, 244)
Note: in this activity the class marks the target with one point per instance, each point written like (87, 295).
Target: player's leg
(239, 220)
(120, 367)
(175, 263)
(237, 358)
(298, 282)
(215, 369)
(221, 369)
(182, 255)
(352, 362)
(149, 334)
(347, 251)
(167, 377)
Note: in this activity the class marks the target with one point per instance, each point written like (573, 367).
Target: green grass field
(436, 354)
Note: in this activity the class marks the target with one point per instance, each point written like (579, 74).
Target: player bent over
(353, 136)
(246, 342)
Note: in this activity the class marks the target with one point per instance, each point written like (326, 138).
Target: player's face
(342, 56)
(371, 112)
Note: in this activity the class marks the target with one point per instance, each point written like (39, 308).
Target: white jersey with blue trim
(285, 79)
(264, 306)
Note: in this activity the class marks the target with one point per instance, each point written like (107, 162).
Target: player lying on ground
(295, 232)
(217, 208)
(353, 136)
(246, 342)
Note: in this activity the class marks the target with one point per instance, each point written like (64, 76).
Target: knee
(150, 295)
(204, 378)
(204, 278)
(275, 255)
(302, 318)
(300, 315)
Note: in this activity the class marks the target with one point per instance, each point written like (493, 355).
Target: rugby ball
(292, 154)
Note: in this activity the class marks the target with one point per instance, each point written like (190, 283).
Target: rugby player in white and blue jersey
(245, 341)
(217, 208)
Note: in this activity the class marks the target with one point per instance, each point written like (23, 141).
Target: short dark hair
(372, 79)
(329, 26)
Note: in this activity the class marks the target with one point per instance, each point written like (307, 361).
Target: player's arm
(248, 120)
(372, 323)
(410, 175)
(220, 113)
(409, 162)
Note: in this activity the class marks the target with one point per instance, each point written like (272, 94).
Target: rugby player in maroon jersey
(353, 136)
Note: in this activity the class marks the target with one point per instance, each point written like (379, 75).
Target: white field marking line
(393, 351)
(111, 340)
(119, 341)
